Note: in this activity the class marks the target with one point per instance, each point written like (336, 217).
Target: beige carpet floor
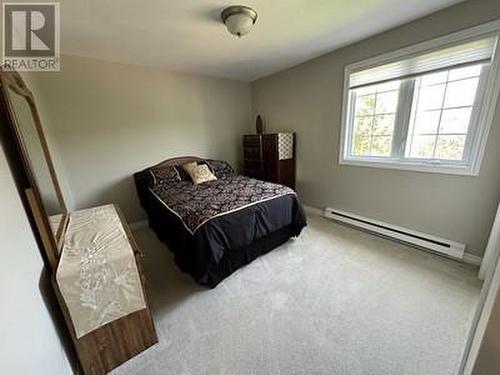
(333, 301)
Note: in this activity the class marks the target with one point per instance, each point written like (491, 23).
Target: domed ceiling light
(239, 19)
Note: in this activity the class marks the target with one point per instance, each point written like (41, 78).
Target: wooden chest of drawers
(270, 157)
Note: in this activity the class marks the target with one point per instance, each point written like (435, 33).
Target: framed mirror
(44, 195)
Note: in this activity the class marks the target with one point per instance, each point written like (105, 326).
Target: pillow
(200, 174)
(182, 173)
(163, 175)
(220, 168)
(188, 167)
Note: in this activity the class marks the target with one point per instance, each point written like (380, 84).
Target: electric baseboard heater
(423, 240)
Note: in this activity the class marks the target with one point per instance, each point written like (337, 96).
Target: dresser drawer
(252, 141)
(252, 153)
(270, 157)
(252, 165)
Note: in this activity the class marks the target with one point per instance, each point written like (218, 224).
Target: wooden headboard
(176, 161)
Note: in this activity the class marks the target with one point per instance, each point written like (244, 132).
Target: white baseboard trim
(139, 225)
(472, 259)
(312, 210)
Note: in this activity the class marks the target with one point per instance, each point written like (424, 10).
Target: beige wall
(307, 99)
(29, 341)
(107, 121)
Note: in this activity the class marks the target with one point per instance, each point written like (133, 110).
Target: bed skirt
(204, 270)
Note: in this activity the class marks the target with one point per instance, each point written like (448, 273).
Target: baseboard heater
(423, 240)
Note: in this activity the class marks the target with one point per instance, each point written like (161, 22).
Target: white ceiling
(187, 35)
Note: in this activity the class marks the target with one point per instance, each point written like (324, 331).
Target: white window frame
(480, 123)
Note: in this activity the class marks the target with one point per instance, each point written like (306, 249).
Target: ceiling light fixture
(239, 19)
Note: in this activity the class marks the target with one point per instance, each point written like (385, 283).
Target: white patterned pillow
(200, 174)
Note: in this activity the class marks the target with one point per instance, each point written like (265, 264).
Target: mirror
(36, 155)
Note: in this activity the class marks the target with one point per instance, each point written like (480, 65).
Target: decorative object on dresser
(91, 254)
(270, 157)
(259, 125)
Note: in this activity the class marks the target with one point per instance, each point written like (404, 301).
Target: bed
(216, 227)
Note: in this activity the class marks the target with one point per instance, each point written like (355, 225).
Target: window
(442, 109)
(375, 111)
(425, 108)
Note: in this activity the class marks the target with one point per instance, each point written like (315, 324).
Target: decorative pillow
(200, 174)
(162, 175)
(188, 167)
(182, 173)
(220, 168)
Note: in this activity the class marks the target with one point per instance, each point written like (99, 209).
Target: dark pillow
(163, 175)
(220, 168)
(183, 175)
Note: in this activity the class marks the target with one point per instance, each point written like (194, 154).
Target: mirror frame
(52, 242)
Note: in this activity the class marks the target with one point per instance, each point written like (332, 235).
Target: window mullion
(472, 132)
(402, 119)
(352, 114)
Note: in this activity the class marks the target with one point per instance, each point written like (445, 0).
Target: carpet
(333, 301)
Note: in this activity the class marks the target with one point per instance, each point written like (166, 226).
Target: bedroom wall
(29, 341)
(307, 99)
(108, 120)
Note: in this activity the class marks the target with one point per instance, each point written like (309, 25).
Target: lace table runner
(97, 273)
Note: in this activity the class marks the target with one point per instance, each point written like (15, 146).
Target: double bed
(216, 227)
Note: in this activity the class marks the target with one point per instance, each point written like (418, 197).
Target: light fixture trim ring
(239, 9)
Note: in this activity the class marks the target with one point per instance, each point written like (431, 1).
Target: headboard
(175, 161)
(143, 178)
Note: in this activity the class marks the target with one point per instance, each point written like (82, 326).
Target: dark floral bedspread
(196, 204)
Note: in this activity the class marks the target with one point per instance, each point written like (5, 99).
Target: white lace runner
(97, 273)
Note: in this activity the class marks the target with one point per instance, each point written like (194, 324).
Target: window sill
(461, 170)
